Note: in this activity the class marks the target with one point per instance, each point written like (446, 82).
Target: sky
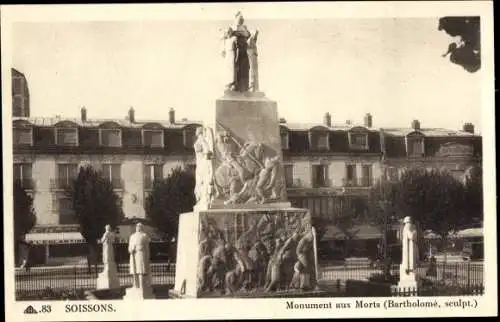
(391, 68)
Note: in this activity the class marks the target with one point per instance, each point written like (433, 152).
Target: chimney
(171, 116)
(83, 113)
(368, 120)
(415, 124)
(131, 115)
(348, 122)
(282, 120)
(327, 119)
(469, 128)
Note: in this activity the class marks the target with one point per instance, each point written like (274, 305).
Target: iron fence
(46, 280)
(441, 278)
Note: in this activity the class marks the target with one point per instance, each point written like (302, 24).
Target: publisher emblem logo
(30, 310)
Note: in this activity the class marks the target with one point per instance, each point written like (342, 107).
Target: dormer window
(319, 139)
(66, 134)
(415, 144)
(189, 136)
(152, 136)
(110, 135)
(22, 133)
(358, 139)
(284, 139)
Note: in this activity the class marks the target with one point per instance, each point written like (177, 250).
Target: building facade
(327, 165)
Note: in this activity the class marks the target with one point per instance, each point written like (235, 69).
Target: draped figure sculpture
(240, 53)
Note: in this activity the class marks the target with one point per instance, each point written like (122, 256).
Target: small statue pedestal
(408, 281)
(108, 277)
(140, 293)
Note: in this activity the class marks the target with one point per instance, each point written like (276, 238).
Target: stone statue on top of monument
(240, 53)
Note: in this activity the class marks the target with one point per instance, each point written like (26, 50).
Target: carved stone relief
(255, 252)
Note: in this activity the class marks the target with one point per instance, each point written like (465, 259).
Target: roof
(52, 121)
(333, 127)
(425, 132)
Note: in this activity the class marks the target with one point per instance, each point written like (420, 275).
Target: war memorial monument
(243, 238)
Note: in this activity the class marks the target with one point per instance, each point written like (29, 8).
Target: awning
(55, 238)
(358, 232)
(469, 232)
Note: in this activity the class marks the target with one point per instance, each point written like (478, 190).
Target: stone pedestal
(140, 293)
(247, 240)
(246, 140)
(224, 252)
(108, 277)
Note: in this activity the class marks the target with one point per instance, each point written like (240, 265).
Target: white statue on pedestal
(108, 277)
(408, 265)
(138, 248)
(203, 148)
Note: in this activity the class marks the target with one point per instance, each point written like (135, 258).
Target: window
(358, 141)
(320, 176)
(17, 86)
(350, 178)
(153, 138)
(367, 175)
(64, 207)
(391, 173)
(319, 140)
(23, 174)
(288, 174)
(23, 136)
(113, 172)
(65, 174)
(284, 140)
(415, 146)
(189, 137)
(111, 137)
(67, 136)
(152, 172)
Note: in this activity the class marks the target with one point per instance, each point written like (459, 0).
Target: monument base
(139, 293)
(246, 252)
(108, 278)
(408, 283)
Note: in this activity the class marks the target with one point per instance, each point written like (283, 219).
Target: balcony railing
(117, 184)
(60, 184)
(349, 182)
(363, 182)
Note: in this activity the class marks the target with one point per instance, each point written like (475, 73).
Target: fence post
(75, 278)
(468, 274)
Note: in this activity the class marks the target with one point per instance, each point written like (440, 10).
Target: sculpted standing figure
(108, 278)
(235, 53)
(252, 57)
(108, 254)
(410, 251)
(138, 248)
(204, 171)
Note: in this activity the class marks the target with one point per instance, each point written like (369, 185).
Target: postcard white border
(258, 308)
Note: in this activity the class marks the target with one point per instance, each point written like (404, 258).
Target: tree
(24, 213)
(466, 52)
(433, 199)
(169, 198)
(474, 197)
(382, 208)
(96, 205)
(349, 215)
